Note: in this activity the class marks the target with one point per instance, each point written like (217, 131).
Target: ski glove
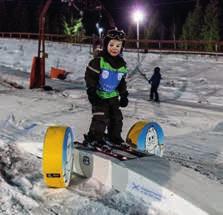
(124, 99)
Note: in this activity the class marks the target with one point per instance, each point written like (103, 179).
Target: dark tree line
(203, 23)
(196, 20)
(201, 19)
(23, 16)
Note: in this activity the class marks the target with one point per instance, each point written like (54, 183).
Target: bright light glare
(100, 30)
(138, 16)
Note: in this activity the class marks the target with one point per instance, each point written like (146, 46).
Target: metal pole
(37, 76)
(137, 25)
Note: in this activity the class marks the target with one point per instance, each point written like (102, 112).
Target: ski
(131, 150)
(110, 153)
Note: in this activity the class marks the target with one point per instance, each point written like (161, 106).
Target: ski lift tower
(37, 76)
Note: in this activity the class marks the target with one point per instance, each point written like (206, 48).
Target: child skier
(155, 81)
(107, 91)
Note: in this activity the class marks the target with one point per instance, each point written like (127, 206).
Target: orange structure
(57, 73)
(37, 76)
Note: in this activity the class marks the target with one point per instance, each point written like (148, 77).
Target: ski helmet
(114, 34)
(156, 69)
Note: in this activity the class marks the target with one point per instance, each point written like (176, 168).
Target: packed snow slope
(190, 113)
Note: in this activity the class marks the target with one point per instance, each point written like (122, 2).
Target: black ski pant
(154, 91)
(106, 115)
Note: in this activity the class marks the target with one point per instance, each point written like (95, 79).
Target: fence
(185, 46)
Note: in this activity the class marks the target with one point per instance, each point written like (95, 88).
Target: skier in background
(155, 81)
(107, 91)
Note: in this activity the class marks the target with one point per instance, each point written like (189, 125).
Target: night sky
(121, 10)
(169, 11)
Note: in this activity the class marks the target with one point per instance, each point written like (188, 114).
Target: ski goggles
(114, 34)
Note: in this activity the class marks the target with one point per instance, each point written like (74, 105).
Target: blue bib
(109, 80)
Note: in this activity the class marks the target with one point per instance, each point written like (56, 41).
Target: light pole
(137, 29)
(138, 17)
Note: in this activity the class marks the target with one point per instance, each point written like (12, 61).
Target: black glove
(124, 100)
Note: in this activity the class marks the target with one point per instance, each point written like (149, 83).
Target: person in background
(107, 91)
(97, 46)
(155, 81)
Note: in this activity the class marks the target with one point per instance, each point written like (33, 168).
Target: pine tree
(211, 27)
(74, 28)
(196, 22)
(192, 27)
(131, 35)
(152, 27)
(186, 32)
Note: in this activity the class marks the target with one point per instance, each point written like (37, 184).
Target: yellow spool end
(134, 132)
(56, 148)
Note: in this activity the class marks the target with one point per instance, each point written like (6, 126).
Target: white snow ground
(191, 115)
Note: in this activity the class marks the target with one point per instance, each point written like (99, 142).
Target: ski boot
(100, 145)
(119, 143)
